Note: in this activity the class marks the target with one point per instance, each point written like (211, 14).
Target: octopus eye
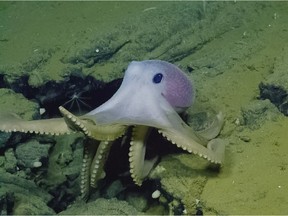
(157, 78)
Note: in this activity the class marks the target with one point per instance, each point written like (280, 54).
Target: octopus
(152, 95)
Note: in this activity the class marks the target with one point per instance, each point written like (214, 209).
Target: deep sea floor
(236, 54)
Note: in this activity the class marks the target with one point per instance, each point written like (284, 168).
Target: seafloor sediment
(236, 55)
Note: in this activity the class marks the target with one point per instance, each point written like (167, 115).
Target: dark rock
(114, 189)
(62, 197)
(276, 94)
(7, 201)
(16, 138)
(77, 93)
(275, 87)
(4, 137)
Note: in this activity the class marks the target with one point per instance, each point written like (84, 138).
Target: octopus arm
(98, 163)
(214, 129)
(214, 151)
(87, 125)
(13, 123)
(90, 147)
(183, 136)
(139, 167)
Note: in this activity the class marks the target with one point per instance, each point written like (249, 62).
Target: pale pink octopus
(151, 95)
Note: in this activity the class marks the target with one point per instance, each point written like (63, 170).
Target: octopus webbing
(152, 95)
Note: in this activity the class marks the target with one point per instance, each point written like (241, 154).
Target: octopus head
(167, 79)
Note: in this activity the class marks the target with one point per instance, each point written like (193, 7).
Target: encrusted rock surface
(10, 161)
(12, 102)
(254, 114)
(101, 206)
(26, 197)
(28, 160)
(53, 165)
(178, 174)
